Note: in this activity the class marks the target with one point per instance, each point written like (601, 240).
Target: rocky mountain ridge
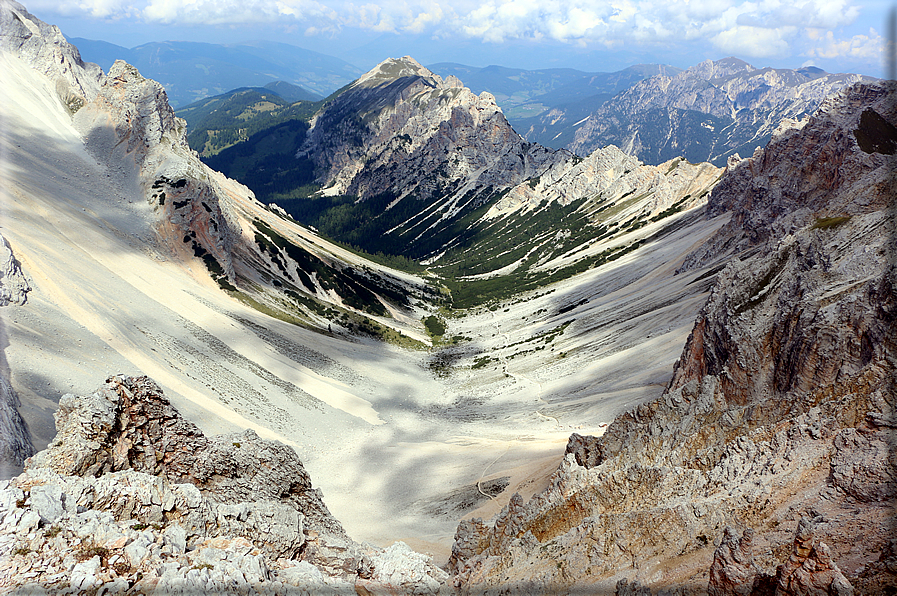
(412, 118)
(130, 497)
(781, 402)
(418, 166)
(707, 112)
(130, 127)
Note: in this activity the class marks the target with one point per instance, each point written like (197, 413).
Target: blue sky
(837, 35)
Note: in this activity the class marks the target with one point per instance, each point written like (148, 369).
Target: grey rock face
(15, 440)
(707, 112)
(812, 171)
(130, 495)
(14, 285)
(782, 399)
(809, 569)
(402, 129)
(259, 488)
(45, 48)
(129, 126)
(733, 571)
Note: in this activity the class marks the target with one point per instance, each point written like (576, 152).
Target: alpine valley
(382, 343)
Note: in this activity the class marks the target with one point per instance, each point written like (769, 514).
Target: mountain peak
(396, 68)
(714, 69)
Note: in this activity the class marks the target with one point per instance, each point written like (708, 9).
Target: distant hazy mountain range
(190, 71)
(653, 112)
(564, 95)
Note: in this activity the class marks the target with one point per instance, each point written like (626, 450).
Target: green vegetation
(219, 122)
(527, 247)
(435, 326)
(825, 223)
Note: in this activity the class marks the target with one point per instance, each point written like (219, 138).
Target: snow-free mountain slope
(707, 112)
(113, 235)
(781, 405)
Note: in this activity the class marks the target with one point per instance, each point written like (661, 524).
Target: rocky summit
(707, 112)
(592, 375)
(130, 497)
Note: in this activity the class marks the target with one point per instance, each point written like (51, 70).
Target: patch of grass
(435, 326)
(271, 312)
(88, 552)
(482, 362)
(825, 223)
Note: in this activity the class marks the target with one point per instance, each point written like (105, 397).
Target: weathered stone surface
(15, 440)
(44, 47)
(130, 494)
(393, 129)
(255, 488)
(131, 128)
(586, 450)
(808, 571)
(707, 112)
(782, 397)
(14, 286)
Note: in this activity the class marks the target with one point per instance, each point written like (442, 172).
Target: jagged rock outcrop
(733, 571)
(129, 126)
(782, 401)
(129, 425)
(809, 569)
(612, 175)
(707, 112)
(402, 129)
(15, 440)
(834, 164)
(14, 286)
(46, 49)
(132, 496)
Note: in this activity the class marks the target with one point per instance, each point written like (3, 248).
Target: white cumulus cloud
(754, 42)
(864, 47)
(749, 28)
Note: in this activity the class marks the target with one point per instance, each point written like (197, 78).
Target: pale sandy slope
(398, 450)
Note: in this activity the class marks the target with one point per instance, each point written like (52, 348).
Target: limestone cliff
(781, 403)
(132, 497)
(707, 112)
(15, 440)
(131, 130)
(43, 46)
(402, 129)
